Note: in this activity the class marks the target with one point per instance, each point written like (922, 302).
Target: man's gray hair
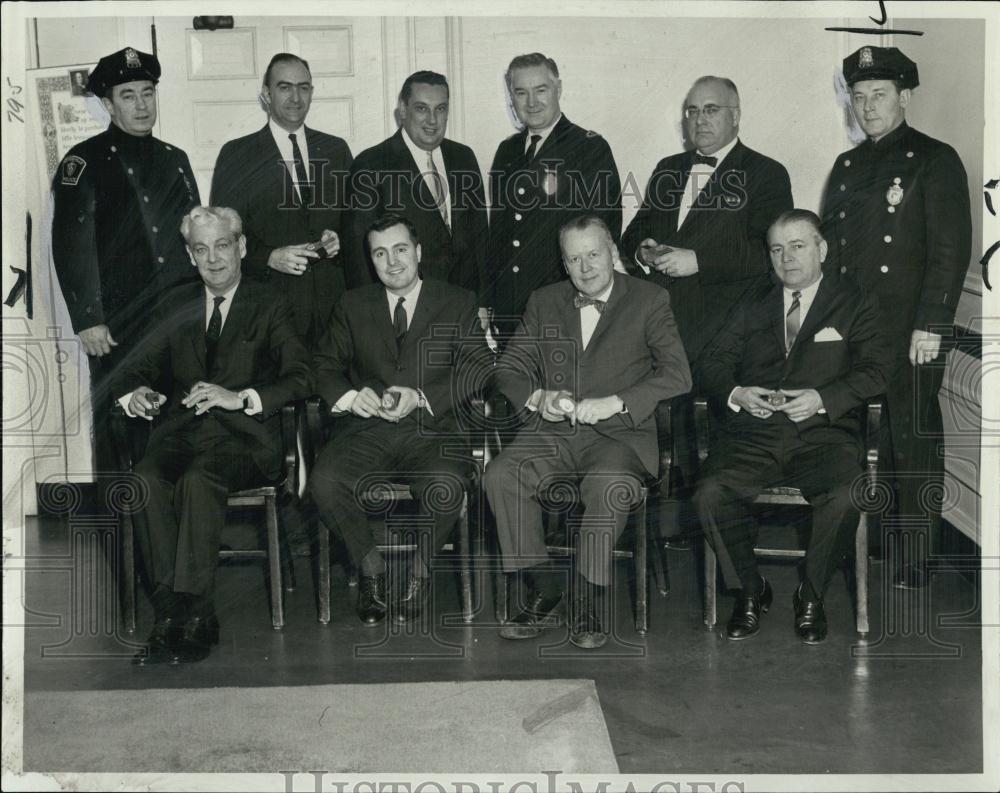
(582, 223)
(529, 60)
(709, 78)
(224, 215)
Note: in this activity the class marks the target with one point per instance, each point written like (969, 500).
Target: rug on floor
(486, 726)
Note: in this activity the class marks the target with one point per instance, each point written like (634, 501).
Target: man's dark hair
(582, 223)
(531, 59)
(386, 222)
(797, 215)
(284, 57)
(424, 78)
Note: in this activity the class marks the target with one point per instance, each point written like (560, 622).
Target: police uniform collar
(121, 138)
(889, 139)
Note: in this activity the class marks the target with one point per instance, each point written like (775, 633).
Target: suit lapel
(571, 318)
(196, 323)
(427, 305)
(707, 198)
(426, 200)
(775, 311)
(378, 306)
(818, 311)
(236, 319)
(606, 318)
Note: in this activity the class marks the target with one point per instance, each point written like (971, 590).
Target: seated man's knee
(440, 491)
(619, 492)
(708, 493)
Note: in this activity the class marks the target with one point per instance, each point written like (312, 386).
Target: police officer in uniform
(116, 243)
(541, 177)
(896, 216)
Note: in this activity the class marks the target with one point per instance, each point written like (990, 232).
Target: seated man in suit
(388, 364)
(795, 364)
(592, 358)
(228, 357)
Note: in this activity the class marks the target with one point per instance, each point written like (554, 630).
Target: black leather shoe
(161, 646)
(411, 604)
(745, 621)
(540, 612)
(200, 633)
(586, 630)
(912, 576)
(372, 599)
(810, 619)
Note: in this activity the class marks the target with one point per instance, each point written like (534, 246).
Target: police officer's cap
(124, 66)
(880, 63)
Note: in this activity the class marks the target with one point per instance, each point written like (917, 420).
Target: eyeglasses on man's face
(708, 111)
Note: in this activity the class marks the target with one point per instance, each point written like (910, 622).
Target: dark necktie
(529, 155)
(582, 300)
(438, 189)
(701, 159)
(305, 188)
(399, 321)
(792, 321)
(213, 332)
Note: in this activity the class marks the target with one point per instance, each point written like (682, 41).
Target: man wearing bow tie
(791, 371)
(591, 359)
(700, 232)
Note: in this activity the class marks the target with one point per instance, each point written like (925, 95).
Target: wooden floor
(682, 699)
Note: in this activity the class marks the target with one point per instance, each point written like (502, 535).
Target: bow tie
(582, 300)
(701, 159)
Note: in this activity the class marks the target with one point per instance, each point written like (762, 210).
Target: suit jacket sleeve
(454, 385)
(720, 362)
(609, 195)
(475, 271)
(364, 203)
(519, 370)
(149, 363)
(232, 187)
(291, 359)
(949, 240)
(871, 359)
(671, 375)
(639, 228)
(74, 248)
(742, 254)
(333, 358)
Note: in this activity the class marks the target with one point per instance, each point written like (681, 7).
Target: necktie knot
(702, 159)
(218, 300)
(581, 301)
(533, 147)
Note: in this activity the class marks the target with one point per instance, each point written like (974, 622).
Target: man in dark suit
(897, 215)
(700, 232)
(288, 183)
(391, 364)
(792, 370)
(592, 357)
(549, 172)
(433, 182)
(119, 198)
(228, 357)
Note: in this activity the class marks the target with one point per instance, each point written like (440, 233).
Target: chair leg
(641, 582)
(861, 576)
(287, 562)
(465, 559)
(710, 566)
(323, 575)
(661, 569)
(127, 568)
(274, 560)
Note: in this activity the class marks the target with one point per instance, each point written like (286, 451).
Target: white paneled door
(211, 80)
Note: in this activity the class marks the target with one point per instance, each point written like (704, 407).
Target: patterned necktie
(305, 188)
(701, 159)
(792, 322)
(213, 332)
(399, 321)
(438, 190)
(582, 300)
(529, 155)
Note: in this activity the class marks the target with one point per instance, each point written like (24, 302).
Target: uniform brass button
(884, 268)
(847, 163)
(155, 229)
(517, 216)
(114, 148)
(515, 269)
(168, 148)
(843, 215)
(843, 270)
(520, 191)
(517, 243)
(891, 209)
(159, 259)
(130, 171)
(843, 187)
(843, 241)
(909, 154)
(180, 170)
(145, 198)
(887, 238)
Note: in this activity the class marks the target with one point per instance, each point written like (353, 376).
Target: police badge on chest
(894, 195)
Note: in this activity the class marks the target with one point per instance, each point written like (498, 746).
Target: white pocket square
(828, 334)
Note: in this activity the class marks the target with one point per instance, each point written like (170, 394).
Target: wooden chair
(793, 496)
(279, 559)
(394, 493)
(642, 539)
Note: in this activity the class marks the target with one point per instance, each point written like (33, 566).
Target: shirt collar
(722, 153)
(889, 139)
(281, 134)
(605, 295)
(228, 294)
(411, 296)
(544, 133)
(420, 155)
(806, 294)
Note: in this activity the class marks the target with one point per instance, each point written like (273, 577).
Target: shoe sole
(517, 633)
(589, 641)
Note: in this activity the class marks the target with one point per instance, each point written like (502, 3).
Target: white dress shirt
(589, 315)
(544, 133)
(284, 143)
(420, 158)
(700, 173)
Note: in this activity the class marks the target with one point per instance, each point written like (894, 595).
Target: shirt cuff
(256, 406)
(424, 403)
(124, 402)
(732, 405)
(533, 404)
(345, 402)
(642, 265)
